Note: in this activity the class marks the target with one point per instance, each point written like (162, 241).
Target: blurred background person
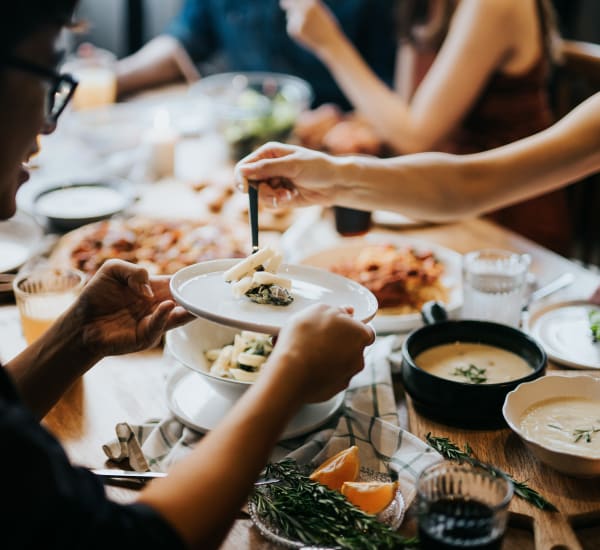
(208, 36)
(432, 186)
(472, 75)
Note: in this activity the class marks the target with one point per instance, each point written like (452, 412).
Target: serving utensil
(114, 473)
(253, 212)
(560, 282)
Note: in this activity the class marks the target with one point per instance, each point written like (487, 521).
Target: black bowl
(457, 403)
(65, 216)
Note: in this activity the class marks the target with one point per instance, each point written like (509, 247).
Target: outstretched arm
(433, 186)
(479, 41)
(203, 493)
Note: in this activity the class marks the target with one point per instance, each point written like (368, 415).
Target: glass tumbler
(43, 295)
(95, 69)
(462, 506)
(494, 283)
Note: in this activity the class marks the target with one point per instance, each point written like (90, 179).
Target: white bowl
(548, 387)
(187, 345)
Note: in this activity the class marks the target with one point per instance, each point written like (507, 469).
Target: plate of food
(19, 240)
(403, 273)
(569, 331)
(337, 505)
(259, 293)
(162, 245)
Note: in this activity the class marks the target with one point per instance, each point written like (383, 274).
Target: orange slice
(342, 467)
(370, 496)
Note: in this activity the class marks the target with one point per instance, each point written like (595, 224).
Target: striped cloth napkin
(368, 419)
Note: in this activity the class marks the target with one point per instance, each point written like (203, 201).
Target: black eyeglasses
(62, 86)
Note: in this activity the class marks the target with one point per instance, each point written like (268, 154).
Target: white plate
(195, 403)
(393, 219)
(201, 289)
(388, 322)
(20, 238)
(563, 330)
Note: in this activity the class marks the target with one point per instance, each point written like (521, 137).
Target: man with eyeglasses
(50, 503)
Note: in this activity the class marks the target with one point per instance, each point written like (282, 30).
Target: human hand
(288, 176)
(122, 310)
(311, 24)
(320, 351)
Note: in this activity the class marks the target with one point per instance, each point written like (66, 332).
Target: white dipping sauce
(558, 422)
(499, 364)
(86, 201)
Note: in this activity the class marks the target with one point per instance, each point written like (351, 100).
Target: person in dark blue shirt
(54, 504)
(236, 35)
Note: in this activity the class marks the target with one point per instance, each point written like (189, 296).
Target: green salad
(261, 119)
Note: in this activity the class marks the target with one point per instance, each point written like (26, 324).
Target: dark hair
(21, 18)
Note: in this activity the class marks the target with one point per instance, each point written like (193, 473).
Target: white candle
(160, 143)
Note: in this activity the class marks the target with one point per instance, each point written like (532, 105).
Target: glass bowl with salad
(253, 108)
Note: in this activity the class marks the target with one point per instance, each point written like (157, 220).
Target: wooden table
(131, 388)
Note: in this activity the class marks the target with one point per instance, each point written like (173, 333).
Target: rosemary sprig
(585, 434)
(472, 373)
(451, 451)
(594, 318)
(304, 510)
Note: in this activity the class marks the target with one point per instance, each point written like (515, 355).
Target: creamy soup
(80, 202)
(565, 424)
(473, 363)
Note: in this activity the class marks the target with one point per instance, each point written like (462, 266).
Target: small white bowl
(187, 345)
(548, 387)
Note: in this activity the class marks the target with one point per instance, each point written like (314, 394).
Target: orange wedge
(342, 467)
(370, 496)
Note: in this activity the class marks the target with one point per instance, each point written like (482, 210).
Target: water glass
(494, 283)
(43, 295)
(462, 506)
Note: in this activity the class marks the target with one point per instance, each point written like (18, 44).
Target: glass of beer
(43, 295)
(95, 70)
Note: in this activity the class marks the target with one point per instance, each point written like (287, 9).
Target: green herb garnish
(472, 373)
(270, 294)
(451, 451)
(585, 434)
(594, 318)
(304, 510)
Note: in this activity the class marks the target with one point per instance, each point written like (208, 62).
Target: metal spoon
(560, 282)
(253, 198)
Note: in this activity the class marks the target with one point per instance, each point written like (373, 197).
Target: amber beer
(350, 222)
(43, 295)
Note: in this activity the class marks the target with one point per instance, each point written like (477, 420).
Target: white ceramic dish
(547, 387)
(563, 329)
(393, 219)
(196, 404)
(187, 345)
(201, 289)
(20, 239)
(383, 322)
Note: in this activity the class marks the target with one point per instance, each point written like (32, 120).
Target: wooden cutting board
(578, 500)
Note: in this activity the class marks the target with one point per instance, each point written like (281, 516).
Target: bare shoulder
(492, 14)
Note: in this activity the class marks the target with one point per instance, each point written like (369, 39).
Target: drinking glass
(94, 68)
(494, 283)
(462, 506)
(43, 295)
(350, 222)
